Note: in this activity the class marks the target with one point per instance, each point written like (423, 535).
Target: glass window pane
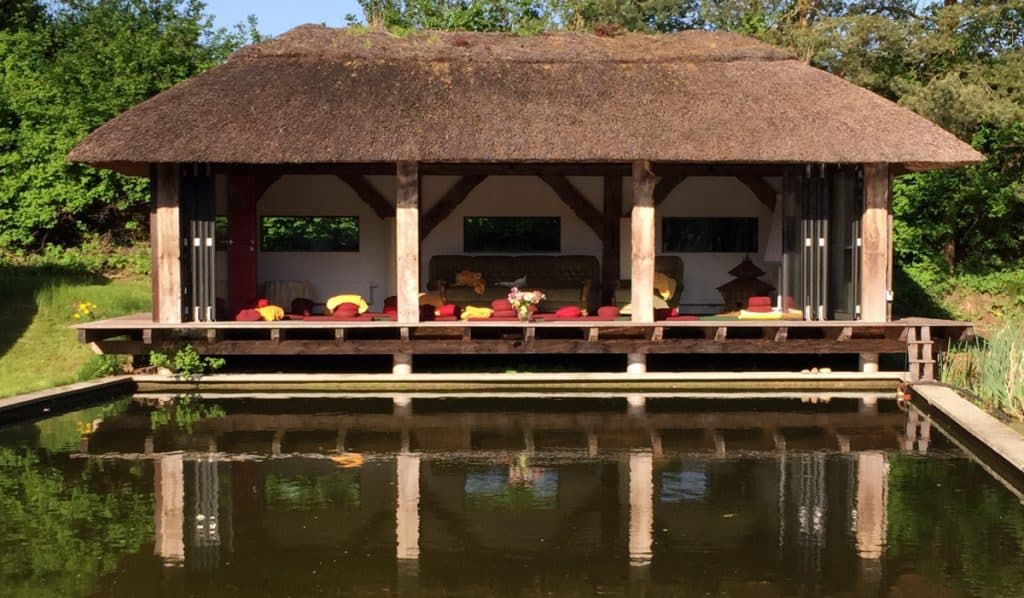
(512, 234)
(709, 235)
(309, 233)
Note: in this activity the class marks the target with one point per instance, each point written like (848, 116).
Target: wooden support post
(610, 241)
(927, 358)
(165, 243)
(402, 364)
(642, 256)
(913, 356)
(636, 363)
(407, 242)
(875, 233)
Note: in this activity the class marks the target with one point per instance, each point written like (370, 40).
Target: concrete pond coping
(983, 431)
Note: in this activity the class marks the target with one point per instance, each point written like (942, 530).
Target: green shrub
(186, 362)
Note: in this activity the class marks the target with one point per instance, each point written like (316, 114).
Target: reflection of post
(872, 484)
(641, 508)
(407, 509)
(636, 404)
(169, 508)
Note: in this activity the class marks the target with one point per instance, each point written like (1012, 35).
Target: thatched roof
(319, 95)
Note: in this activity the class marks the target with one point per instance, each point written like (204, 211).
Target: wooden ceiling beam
(451, 200)
(725, 170)
(577, 202)
(369, 194)
(764, 192)
(528, 168)
(664, 188)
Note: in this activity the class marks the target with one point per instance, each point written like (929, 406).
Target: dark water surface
(141, 497)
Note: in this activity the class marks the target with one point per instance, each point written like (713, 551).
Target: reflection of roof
(319, 95)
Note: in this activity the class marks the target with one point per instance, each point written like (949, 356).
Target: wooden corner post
(875, 242)
(165, 243)
(642, 238)
(407, 242)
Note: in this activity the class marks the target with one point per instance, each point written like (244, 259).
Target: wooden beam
(576, 201)
(764, 192)
(512, 346)
(165, 243)
(666, 185)
(717, 170)
(527, 168)
(642, 254)
(610, 238)
(451, 200)
(875, 232)
(407, 242)
(369, 194)
(361, 168)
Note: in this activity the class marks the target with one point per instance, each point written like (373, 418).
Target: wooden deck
(138, 334)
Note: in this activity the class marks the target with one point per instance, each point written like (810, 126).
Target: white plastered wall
(366, 272)
(508, 196)
(702, 197)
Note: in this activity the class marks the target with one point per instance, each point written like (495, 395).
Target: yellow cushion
(664, 286)
(476, 312)
(270, 313)
(337, 300)
(656, 303)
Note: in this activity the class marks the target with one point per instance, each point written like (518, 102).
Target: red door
(243, 231)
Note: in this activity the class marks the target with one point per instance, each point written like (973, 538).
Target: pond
(825, 496)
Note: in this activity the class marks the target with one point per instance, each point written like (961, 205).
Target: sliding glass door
(821, 241)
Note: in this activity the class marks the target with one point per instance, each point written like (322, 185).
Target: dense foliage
(65, 68)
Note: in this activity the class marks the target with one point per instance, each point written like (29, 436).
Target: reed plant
(991, 369)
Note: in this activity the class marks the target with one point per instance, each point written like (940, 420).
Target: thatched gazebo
(638, 114)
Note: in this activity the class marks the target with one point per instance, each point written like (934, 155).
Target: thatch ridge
(321, 95)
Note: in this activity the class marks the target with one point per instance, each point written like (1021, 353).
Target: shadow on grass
(22, 286)
(912, 300)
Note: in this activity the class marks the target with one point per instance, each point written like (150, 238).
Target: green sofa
(669, 265)
(564, 279)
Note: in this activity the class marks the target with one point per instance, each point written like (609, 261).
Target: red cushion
(759, 301)
(608, 312)
(504, 313)
(426, 313)
(661, 314)
(500, 304)
(569, 311)
(759, 308)
(345, 312)
(448, 310)
(248, 315)
(262, 302)
(391, 302)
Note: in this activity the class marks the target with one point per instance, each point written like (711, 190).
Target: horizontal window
(512, 234)
(709, 235)
(309, 233)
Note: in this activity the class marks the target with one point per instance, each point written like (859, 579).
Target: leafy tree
(68, 67)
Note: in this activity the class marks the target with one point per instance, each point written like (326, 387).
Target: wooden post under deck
(875, 233)
(165, 243)
(642, 265)
(407, 242)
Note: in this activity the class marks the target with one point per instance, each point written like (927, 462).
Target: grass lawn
(37, 349)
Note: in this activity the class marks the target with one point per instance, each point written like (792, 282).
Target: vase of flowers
(522, 301)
